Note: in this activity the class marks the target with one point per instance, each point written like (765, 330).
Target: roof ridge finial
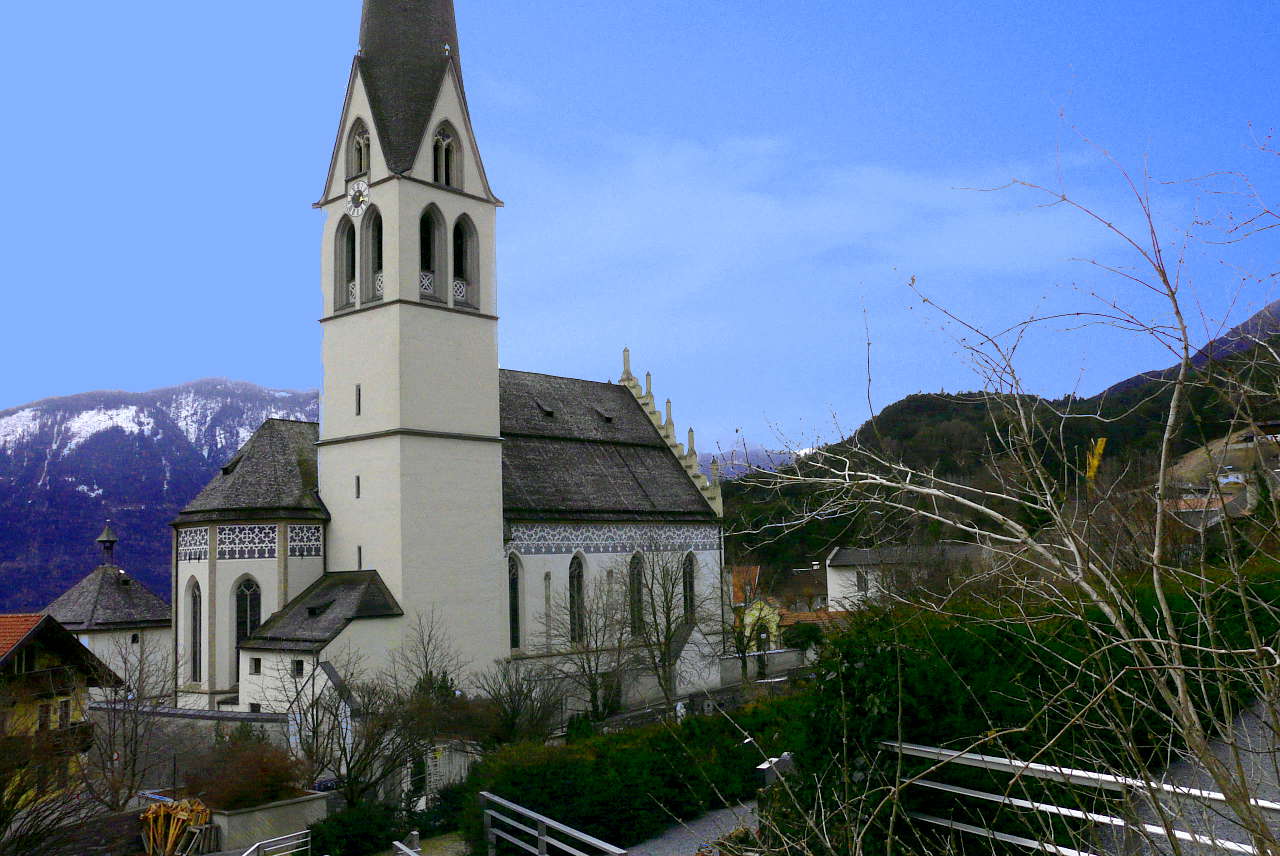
(692, 450)
(670, 422)
(626, 365)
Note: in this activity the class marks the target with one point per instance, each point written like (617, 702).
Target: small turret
(107, 541)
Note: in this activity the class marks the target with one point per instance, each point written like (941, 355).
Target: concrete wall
(242, 829)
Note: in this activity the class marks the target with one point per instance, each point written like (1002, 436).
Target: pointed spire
(670, 422)
(692, 450)
(406, 47)
(648, 384)
(107, 541)
(626, 366)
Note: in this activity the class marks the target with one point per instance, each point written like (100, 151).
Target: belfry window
(445, 166)
(430, 238)
(358, 150)
(373, 228)
(248, 613)
(465, 278)
(577, 603)
(195, 632)
(513, 598)
(345, 265)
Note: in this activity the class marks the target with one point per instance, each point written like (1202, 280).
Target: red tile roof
(14, 628)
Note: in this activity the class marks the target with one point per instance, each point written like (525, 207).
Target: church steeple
(406, 49)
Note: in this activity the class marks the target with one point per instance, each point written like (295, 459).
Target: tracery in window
(248, 612)
(446, 167)
(358, 150)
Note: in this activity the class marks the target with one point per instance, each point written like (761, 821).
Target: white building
(435, 482)
(125, 624)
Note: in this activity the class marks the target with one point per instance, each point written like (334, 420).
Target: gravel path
(685, 839)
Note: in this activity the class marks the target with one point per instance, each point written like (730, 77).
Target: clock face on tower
(358, 198)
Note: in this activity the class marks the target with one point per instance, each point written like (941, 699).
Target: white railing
(1071, 776)
(460, 290)
(427, 283)
(285, 845)
(378, 286)
(352, 292)
(531, 831)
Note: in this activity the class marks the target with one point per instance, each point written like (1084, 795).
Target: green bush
(627, 787)
(358, 830)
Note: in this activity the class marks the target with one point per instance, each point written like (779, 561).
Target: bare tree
(1072, 545)
(132, 745)
(747, 620)
(589, 642)
(669, 617)
(524, 701)
(366, 726)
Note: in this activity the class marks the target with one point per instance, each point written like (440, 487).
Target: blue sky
(736, 190)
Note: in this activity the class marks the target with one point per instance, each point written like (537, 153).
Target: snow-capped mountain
(68, 464)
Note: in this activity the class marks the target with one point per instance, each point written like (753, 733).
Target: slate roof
(109, 599)
(272, 476)
(403, 62)
(314, 618)
(583, 450)
(572, 450)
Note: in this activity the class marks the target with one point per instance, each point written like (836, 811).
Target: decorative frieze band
(247, 542)
(193, 544)
(306, 541)
(568, 538)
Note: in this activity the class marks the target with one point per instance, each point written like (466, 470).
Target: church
(435, 483)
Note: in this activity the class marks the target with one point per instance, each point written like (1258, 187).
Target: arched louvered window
(513, 598)
(248, 613)
(373, 249)
(635, 593)
(345, 265)
(358, 150)
(577, 602)
(688, 586)
(195, 632)
(466, 279)
(430, 245)
(446, 167)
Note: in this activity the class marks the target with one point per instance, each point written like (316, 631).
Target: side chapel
(435, 482)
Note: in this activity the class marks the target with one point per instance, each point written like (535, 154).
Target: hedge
(627, 787)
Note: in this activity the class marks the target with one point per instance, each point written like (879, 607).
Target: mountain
(136, 458)
(1263, 325)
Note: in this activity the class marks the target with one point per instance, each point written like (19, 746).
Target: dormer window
(446, 168)
(358, 150)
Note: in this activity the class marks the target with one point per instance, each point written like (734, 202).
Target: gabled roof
(314, 618)
(272, 476)
(406, 47)
(579, 449)
(109, 599)
(13, 630)
(19, 630)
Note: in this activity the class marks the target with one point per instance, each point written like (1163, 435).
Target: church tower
(409, 456)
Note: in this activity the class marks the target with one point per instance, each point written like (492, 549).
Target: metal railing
(285, 845)
(1066, 775)
(531, 831)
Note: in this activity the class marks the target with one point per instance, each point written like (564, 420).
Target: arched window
(635, 593)
(465, 274)
(345, 265)
(358, 150)
(248, 613)
(195, 632)
(577, 603)
(430, 245)
(513, 598)
(546, 608)
(690, 570)
(373, 251)
(446, 167)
